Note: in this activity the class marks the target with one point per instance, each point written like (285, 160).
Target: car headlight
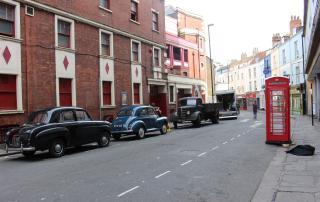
(188, 112)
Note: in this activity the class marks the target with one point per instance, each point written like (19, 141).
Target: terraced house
(95, 54)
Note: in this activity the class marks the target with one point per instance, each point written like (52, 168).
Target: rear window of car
(82, 116)
(125, 112)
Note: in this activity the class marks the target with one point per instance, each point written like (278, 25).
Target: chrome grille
(15, 141)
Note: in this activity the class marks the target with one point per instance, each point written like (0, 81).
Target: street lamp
(209, 25)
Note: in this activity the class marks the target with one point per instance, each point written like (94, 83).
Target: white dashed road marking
(204, 153)
(232, 139)
(225, 142)
(244, 120)
(239, 135)
(214, 148)
(158, 176)
(185, 163)
(130, 190)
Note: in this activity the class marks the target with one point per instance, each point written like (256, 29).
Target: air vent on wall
(29, 11)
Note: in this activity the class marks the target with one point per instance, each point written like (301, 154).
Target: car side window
(82, 116)
(151, 111)
(66, 116)
(199, 102)
(143, 112)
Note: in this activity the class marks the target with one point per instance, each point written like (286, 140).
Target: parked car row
(56, 129)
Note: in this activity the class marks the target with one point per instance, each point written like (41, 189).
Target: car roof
(53, 109)
(187, 98)
(135, 107)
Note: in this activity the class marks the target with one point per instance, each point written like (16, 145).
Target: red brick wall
(38, 59)
(119, 18)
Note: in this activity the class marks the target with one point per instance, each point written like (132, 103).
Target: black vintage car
(55, 129)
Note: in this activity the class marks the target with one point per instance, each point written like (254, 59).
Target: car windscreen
(190, 102)
(125, 112)
(38, 117)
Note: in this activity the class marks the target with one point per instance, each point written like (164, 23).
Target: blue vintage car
(138, 120)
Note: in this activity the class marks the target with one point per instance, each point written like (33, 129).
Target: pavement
(294, 178)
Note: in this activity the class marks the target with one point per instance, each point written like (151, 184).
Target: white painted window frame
(174, 94)
(159, 56)
(73, 90)
(101, 31)
(17, 27)
(139, 51)
(72, 31)
(140, 91)
(113, 103)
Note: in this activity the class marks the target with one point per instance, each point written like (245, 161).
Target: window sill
(65, 49)
(108, 107)
(105, 9)
(135, 63)
(11, 112)
(156, 31)
(107, 57)
(10, 38)
(172, 103)
(136, 22)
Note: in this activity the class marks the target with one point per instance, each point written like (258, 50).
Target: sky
(241, 25)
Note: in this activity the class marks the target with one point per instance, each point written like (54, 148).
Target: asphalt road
(221, 162)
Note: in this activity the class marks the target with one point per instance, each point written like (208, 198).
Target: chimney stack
(295, 22)
(276, 39)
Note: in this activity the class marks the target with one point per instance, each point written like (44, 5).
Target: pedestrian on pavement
(255, 109)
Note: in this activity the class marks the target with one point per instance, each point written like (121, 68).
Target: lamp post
(212, 85)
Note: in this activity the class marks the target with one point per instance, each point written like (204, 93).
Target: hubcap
(104, 140)
(164, 128)
(58, 148)
(141, 132)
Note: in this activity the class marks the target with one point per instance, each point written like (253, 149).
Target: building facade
(312, 52)
(55, 53)
(185, 57)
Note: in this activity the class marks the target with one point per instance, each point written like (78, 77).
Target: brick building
(185, 57)
(95, 54)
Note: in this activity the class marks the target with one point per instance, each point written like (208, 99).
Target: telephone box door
(277, 110)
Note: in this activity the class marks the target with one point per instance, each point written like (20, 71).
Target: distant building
(185, 57)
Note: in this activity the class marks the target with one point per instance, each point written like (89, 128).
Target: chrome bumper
(122, 132)
(19, 149)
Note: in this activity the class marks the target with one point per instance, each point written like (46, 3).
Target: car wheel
(215, 120)
(175, 125)
(141, 133)
(116, 136)
(104, 140)
(164, 129)
(28, 154)
(57, 148)
(197, 123)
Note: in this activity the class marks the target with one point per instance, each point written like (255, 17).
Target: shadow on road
(42, 156)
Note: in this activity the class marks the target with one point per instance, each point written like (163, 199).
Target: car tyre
(215, 120)
(104, 140)
(141, 133)
(197, 123)
(164, 129)
(116, 136)
(175, 125)
(28, 154)
(57, 148)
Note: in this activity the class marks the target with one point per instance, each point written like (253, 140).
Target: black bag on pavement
(302, 150)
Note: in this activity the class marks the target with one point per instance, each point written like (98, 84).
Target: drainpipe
(26, 25)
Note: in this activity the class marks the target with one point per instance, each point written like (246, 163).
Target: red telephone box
(277, 93)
